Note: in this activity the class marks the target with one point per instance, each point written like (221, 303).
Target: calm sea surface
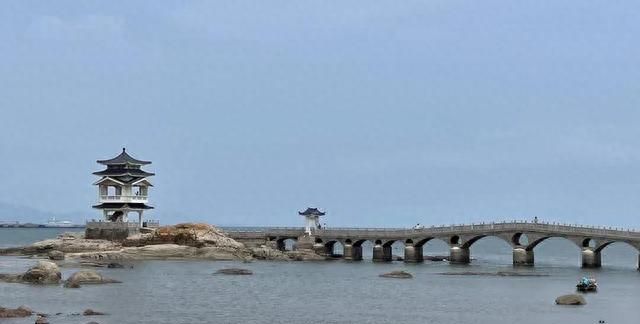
(337, 291)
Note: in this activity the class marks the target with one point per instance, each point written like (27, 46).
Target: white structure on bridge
(311, 219)
(123, 188)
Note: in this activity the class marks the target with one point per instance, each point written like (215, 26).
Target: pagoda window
(114, 191)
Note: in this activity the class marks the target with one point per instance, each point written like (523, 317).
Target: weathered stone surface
(56, 255)
(89, 277)
(197, 235)
(571, 299)
(21, 311)
(267, 253)
(91, 312)
(304, 255)
(168, 251)
(235, 271)
(44, 272)
(64, 243)
(397, 275)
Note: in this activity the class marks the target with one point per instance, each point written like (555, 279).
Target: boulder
(571, 299)
(304, 255)
(56, 255)
(91, 312)
(42, 320)
(71, 284)
(88, 277)
(115, 265)
(397, 275)
(235, 271)
(44, 272)
(436, 258)
(21, 311)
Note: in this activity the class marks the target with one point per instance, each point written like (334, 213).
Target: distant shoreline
(28, 225)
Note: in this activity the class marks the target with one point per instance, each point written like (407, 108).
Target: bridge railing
(462, 228)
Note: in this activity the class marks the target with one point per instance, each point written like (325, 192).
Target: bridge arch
(520, 239)
(608, 243)
(333, 247)
(535, 241)
(589, 243)
(286, 243)
(474, 239)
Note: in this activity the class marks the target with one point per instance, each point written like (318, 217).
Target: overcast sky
(383, 113)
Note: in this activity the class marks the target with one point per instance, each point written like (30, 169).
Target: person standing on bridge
(535, 219)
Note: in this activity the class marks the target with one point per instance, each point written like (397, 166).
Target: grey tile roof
(123, 158)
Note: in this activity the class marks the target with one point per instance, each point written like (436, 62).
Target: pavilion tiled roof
(122, 159)
(312, 212)
(122, 206)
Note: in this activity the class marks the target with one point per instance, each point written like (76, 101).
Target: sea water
(339, 291)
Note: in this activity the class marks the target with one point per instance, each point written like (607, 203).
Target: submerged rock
(436, 258)
(42, 320)
(397, 275)
(56, 255)
(234, 271)
(498, 274)
(21, 311)
(91, 312)
(571, 299)
(71, 284)
(88, 277)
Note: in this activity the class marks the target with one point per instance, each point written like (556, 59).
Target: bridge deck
(343, 232)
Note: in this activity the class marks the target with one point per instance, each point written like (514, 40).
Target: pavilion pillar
(140, 218)
(459, 255)
(413, 253)
(591, 258)
(522, 257)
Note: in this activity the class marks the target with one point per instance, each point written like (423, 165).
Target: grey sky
(384, 113)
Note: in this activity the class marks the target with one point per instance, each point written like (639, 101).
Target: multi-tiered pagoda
(123, 188)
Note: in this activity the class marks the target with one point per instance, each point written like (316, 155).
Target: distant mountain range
(24, 214)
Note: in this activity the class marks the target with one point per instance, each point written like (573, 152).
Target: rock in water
(397, 275)
(572, 299)
(21, 311)
(115, 265)
(44, 272)
(89, 277)
(234, 271)
(91, 312)
(56, 255)
(42, 320)
(71, 284)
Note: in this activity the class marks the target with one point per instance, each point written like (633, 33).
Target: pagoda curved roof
(122, 159)
(123, 172)
(312, 212)
(122, 206)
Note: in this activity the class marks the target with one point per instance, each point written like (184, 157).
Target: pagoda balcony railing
(121, 198)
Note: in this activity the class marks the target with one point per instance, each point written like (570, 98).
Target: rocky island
(181, 241)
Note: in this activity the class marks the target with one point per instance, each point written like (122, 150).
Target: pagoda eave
(122, 206)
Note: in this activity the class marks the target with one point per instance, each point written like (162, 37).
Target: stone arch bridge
(522, 236)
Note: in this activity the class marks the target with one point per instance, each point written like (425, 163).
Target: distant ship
(59, 223)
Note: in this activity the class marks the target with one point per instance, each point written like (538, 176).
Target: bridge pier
(382, 253)
(413, 253)
(352, 252)
(459, 255)
(591, 258)
(522, 257)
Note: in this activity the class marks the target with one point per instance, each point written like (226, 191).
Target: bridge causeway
(522, 236)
